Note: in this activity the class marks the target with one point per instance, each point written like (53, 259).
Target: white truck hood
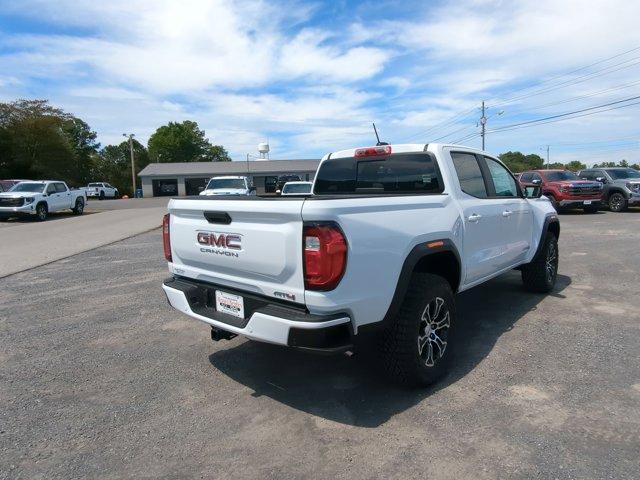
(225, 191)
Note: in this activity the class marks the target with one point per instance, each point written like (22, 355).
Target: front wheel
(541, 273)
(79, 208)
(416, 347)
(101, 196)
(617, 202)
(42, 212)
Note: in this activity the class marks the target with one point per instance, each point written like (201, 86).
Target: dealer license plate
(587, 202)
(230, 304)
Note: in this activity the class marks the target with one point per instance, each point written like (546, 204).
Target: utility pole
(547, 157)
(133, 167)
(483, 123)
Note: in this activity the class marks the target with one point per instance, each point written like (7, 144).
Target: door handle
(507, 213)
(474, 218)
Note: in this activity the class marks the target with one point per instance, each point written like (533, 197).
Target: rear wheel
(541, 273)
(617, 202)
(79, 208)
(101, 197)
(416, 348)
(42, 212)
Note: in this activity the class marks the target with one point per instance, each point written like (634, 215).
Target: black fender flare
(548, 222)
(613, 190)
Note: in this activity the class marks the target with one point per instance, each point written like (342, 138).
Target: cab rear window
(408, 173)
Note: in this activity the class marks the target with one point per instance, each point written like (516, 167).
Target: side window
(51, 188)
(469, 174)
(503, 182)
(526, 177)
(60, 188)
(589, 175)
(536, 176)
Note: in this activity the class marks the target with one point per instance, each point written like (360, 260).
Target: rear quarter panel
(380, 232)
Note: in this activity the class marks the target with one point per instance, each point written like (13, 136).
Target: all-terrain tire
(79, 208)
(541, 273)
(101, 197)
(618, 202)
(554, 203)
(404, 361)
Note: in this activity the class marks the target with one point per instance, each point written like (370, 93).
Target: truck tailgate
(251, 244)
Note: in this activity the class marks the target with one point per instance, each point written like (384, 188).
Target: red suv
(565, 189)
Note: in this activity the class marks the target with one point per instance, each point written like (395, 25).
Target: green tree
(38, 140)
(575, 165)
(113, 165)
(519, 162)
(183, 142)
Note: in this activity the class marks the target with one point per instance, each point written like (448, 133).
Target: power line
(444, 123)
(563, 114)
(579, 69)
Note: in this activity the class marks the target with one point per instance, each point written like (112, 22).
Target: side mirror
(536, 181)
(601, 179)
(532, 192)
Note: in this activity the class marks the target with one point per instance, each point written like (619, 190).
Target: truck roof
(399, 148)
(234, 177)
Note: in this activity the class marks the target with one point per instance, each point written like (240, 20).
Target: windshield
(216, 183)
(28, 187)
(622, 174)
(297, 188)
(560, 176)
(95, 184)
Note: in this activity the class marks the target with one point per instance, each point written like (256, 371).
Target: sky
(310, 77)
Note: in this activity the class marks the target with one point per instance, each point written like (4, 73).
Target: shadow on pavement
(352, 390)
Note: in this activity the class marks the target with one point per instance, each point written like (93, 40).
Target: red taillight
(325, 256)
(166, 239)
(373, 151)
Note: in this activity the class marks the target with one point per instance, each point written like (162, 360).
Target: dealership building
(190, 178)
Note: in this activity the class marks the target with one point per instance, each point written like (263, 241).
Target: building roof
(229, 168)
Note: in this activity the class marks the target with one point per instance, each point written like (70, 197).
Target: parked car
(6, 185)
(282, 179)
(39, 198)
(379, 253)
(230, 185)
(101, 190)
(621, 186)
(297, 188)
(565, 189)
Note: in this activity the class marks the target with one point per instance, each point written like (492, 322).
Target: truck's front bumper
(265, 320)
(29, 209)
(582, 202)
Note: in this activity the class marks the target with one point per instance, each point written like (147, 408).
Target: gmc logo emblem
(231, 241)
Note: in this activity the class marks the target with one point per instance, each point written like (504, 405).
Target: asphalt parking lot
(101, 378)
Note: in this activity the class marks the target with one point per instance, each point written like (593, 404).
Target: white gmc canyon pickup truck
(39, 198)
(388, 237)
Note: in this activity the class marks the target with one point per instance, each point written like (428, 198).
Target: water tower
(263, 149)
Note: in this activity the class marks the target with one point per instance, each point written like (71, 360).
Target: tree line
(519, 162)
(38, 140)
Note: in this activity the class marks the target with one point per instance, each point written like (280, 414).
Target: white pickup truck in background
(101, 190)
(39, 198)
(388, 237)
(229, 185)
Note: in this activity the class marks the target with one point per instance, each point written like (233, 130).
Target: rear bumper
(266, 320)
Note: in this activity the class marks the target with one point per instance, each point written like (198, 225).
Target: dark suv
(621, 186)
